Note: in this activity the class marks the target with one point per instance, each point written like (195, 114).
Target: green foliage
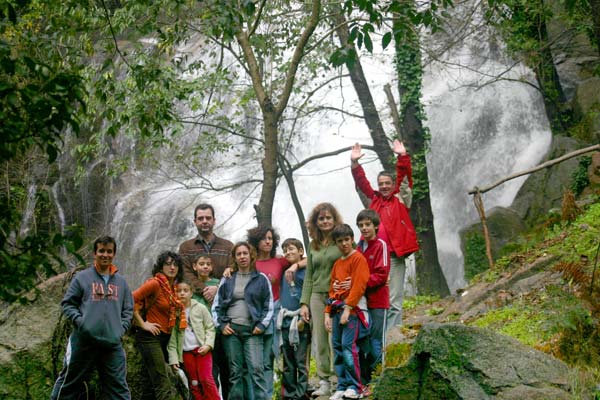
(419, 168)
(475, 257)
(584, 129)
(434, 311)
(368, 16)
(37, 102)
(579, 178)
(553, 320)
(409, 71)
(42, 94)
(581, 236)
(33, 257)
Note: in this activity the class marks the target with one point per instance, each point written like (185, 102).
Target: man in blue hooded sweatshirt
(99, 303)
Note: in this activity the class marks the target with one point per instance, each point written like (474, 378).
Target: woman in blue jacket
(242, 309)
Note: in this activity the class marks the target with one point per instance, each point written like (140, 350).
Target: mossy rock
(454, 361)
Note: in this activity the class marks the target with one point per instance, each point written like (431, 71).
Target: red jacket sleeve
(358, 173)
(403, 168)
(381, 270)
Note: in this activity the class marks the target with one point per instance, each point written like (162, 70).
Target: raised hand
(398, 147)
(356, 153)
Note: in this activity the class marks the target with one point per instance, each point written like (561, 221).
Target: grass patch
(410, 303)
(520, 321)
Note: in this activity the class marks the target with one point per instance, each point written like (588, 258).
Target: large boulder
(33, 338)
(543, 190)
(586, 104)
(587, 96)
(26, 333)
(454, 361)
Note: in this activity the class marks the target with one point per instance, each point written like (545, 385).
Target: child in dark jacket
(294, 335)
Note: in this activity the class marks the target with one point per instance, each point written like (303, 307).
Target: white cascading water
(480, 133)
(478, 136)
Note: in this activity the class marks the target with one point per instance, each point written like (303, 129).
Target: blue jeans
(378, 322)
(270, 350)
(244, 348)
(81, 357)
(345, 353)
(294, 377)
(220, 366)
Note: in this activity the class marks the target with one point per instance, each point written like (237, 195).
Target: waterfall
(27, 217)
(478, 135)
(483, 128)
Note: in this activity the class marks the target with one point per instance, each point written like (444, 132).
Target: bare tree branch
(232, 132)
(330, 108)
(257, 19)
(328, 154)
(299, 52)
(112, 33)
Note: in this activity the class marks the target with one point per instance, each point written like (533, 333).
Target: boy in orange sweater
(344, 315)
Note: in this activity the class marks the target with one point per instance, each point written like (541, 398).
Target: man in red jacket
(395, 221)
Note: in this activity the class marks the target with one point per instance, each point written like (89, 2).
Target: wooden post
(486, 234)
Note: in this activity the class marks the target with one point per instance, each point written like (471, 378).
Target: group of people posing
(224, 312)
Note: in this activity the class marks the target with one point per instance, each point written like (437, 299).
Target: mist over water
(478, 136)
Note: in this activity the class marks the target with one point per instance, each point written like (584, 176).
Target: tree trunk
(555, 101)
(286, 170)
(264, 208)
(357, 76)
(430, 278)
(271, 112)
(595, 7)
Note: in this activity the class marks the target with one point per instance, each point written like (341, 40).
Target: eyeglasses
(170, 262)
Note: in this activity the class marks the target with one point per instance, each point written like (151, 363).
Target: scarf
(176, 309)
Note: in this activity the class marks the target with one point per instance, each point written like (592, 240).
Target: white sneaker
(338, 395)
(351, 394)
(323, 390)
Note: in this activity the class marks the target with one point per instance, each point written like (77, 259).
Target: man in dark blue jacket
(99, 303)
